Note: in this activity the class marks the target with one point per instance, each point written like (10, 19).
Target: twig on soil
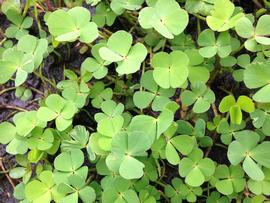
(2, 41)
(44, 79)
(2, 106)
(6, 90)
(8, 116)
(6, 174)
(257, 3)
(214, 108)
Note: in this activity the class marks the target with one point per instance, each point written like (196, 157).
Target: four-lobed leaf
(212, 46)
(68, 26)
(166, 17)
(119, 49)
(224, 16)
(246, 149)
(259, 34)
(170, 70)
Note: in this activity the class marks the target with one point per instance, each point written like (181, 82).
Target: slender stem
(2, 106)
(199, 16)
(262, 11)
(26, 7)
(257, 3)
(143, 70)
(6, 174)
(239, 49)
(46, 79)
(198, 26)
(214, 108)
(221, 146)
(2, 41)
(89, 115)
(36, 90)
(164, 196)
(160, 183)
(36, 16)
(7, 89)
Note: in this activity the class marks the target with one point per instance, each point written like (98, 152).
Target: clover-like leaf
(75, 189)
(152, 94)
(198, 70)
(23, 59)
(41, 140)
(195, 168)
(216, 197)
(59, 109)
(228, 104)
(261, 119)
(119, 49)
(212, 46)
(95, 65)
(69, 163)
(223, 17)
(150, 126)
(99, 94)
(68, 26)
(229, 179)
(16, 144)
(260, 187)
(179, 191)
(7, 132)
(118, 186)
(125, 147)
(19, 24)
(259, 34)
(119, 6)
(247, 150)
(256, 75)
(228, 131)
(166, 17)
(203, 7)
(170, 70)
(181, 143)
(42, 189)
(201, 96)
(103, 15)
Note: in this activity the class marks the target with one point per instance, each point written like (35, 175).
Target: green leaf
(252, 169)
(119, 49)
(183, 143)
(166, 17)
(7, 132)
(45, 114)
(246, 104)
(69, 161)
(246, 148)
(171, 154)
(212, 46)
(222, 18)
(68, 26)
(195, 168)
(236, 115)
(257, 75)
(131, 168)
(119, 6)
(244, 28)
(195, 177)
(40, 190)
(170, 70)
(262, 31)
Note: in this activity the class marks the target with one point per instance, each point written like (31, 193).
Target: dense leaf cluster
(161, 127)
